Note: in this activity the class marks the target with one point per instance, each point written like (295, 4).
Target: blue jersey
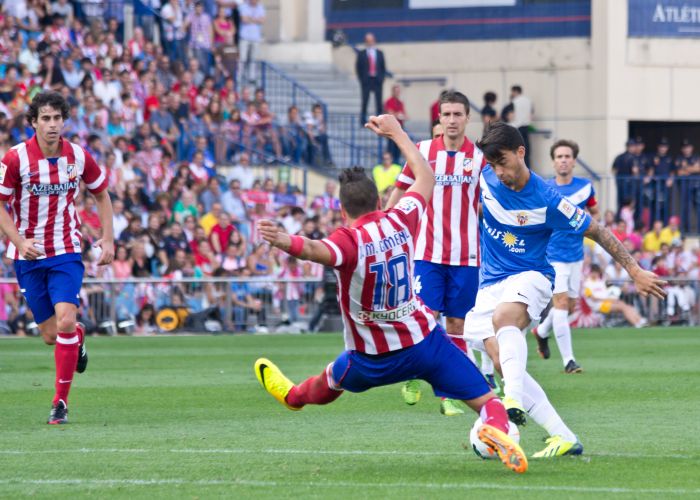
(565, 246)
(517, 225)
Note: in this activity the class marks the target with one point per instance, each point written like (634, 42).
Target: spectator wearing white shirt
(107, 89)
(30, 58)
(243, 172)
(252, 17)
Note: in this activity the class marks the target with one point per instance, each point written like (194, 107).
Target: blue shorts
(46, 282)
(435, 359)
(450, 290)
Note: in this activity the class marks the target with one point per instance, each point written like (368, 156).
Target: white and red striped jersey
(374, 264)
(41, 193)
(449, 234)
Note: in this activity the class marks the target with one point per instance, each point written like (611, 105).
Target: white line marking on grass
(346, 484)
(397, 453)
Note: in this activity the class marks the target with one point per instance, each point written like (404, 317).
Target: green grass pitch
(185, 417)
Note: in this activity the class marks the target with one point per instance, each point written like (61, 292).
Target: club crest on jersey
(467, 164)
(521, 218)
(71, 171)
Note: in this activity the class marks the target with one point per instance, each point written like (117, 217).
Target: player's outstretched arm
(645, 281)
(387, 126)
(25, 247)
(298, 246)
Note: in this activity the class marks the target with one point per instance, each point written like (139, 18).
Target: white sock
(562, 332)
(486, 364)
(513, 356)
(541, 410)
(545, 327)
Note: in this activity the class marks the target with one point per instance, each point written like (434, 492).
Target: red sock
(66, 356)
(81, 333)
(494, 414)
(313, 390)
(459, 341)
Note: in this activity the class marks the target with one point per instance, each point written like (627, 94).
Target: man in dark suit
(371, 70)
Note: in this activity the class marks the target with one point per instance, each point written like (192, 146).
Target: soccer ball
(480, 448)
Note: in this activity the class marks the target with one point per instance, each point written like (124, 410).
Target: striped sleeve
(410, 209)
(95, 179)
(342, 248)
(9, 174)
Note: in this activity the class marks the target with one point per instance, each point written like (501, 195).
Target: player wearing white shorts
(520, 211)
(565, 252)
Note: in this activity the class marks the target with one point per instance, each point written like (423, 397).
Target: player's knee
(66, 322)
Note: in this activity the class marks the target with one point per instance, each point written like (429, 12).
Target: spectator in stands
(174, 30)
(602, 300)
(294, 136)
(652, 239)
(328, 200)
(224, 29)
(211, 218)
(186, 205)
(252, 15)
(119, 220)
(687, 163)
(626, 169)
(522, 116)
(671, 233)
(243, 172)
(319, 152)
(201, 35)
(394, 106)
(620, 230)
(370, 69)
(236, 251)
(233, 204)
(658, 181)
(220, 234)
(266, 130)
(386, 172)
(488, 111)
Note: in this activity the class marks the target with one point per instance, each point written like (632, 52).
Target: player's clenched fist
(384, 125)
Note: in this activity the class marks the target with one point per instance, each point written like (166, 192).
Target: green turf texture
(185, 417)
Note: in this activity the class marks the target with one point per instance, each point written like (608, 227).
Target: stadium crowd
(162, 119)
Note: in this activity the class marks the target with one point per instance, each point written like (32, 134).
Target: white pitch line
(348, 484)
(397, 453)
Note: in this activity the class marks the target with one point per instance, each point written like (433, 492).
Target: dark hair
(358, 194)
(498, 138)
(489, 97)
(52, 99)
(595, 268)
(455, 97)
(564, 143)
(517, 88)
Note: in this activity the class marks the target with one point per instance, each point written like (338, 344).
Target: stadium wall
(586, 88)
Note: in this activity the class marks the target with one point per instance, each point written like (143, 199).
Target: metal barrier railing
(658, 198)
(198, 304)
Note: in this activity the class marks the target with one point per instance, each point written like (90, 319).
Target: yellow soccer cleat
(510, 452)
(410, 391)
(274, 381)
(516, 412)
(557, 447)
(450, 407)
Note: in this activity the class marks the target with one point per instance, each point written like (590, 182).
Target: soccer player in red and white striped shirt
(40, 179)
(447, 252)
(390, 335)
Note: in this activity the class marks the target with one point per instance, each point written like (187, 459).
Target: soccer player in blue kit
(520, 211)
(565, 252)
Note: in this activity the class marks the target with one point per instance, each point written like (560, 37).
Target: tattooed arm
(645, 281)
